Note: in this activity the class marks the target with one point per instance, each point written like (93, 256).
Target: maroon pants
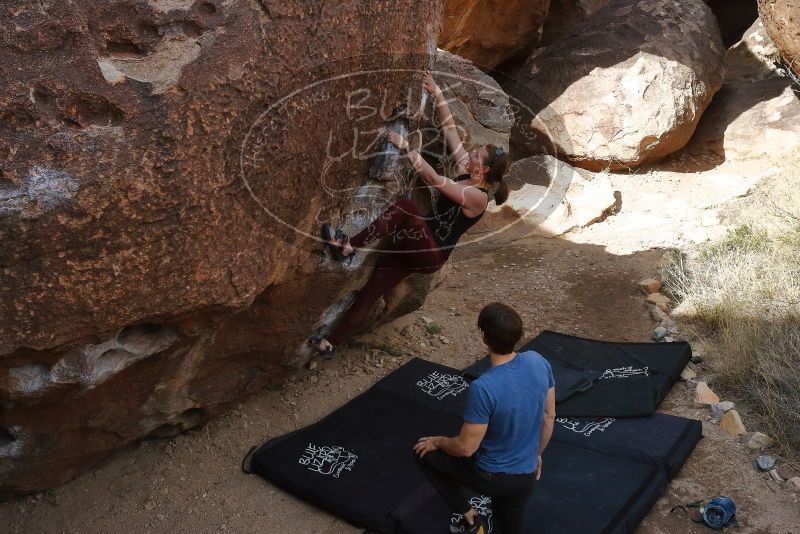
(411, 249)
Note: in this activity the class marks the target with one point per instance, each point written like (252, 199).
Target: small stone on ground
(758, 441)
(660, 333)
(670, 325)
(731, 423)
(719, 409)
(659, 300)
(765, 462)
(650, 285)
(773, 474)
(704, 395)
(687, 374)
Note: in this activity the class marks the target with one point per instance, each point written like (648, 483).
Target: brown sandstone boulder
(164, 167)
(490, 32)
(781, 18)
(627, 88)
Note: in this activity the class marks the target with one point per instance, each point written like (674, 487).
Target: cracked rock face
(781, 19)
(627, 88)
(164, 167)
(489, 32)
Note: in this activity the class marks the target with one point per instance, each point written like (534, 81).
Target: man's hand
(426, 445)
(539, 468)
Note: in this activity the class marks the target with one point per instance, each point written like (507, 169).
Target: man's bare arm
(549, 419)
(546, 431)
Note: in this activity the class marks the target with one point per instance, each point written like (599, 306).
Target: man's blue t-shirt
(510, 398)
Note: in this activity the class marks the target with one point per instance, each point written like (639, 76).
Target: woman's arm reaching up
(470, 198)
(449, 128)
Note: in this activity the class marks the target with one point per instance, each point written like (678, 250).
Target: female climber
(418, 243)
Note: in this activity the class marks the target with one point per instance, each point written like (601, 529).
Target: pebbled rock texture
(781, 19)
(164, 167)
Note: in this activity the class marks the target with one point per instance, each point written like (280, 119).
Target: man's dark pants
(452, 477)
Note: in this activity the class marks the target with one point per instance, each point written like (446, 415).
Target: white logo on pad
(585, 427)
(625, 372)
(328, 460)
(440, 385)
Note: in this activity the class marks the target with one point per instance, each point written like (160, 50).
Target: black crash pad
(611, 470)
(580, 491)
(358, 462)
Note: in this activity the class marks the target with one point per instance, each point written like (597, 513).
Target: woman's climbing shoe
(328, 352)
(328, 235)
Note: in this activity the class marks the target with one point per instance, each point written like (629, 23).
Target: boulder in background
(628, 88)
(549, 198)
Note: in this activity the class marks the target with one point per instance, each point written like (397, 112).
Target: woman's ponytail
(497, 168)
(501, 194)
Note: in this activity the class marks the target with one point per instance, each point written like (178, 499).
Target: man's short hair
(501, 327)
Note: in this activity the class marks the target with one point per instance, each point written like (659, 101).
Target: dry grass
(741, 297)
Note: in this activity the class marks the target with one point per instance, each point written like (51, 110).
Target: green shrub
(393, 350)
(433, 328)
